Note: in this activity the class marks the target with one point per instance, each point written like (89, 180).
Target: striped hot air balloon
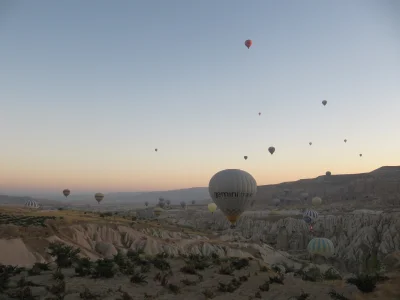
(321, 246)
(310, 216)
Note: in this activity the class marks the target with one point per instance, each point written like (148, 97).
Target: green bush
(104, 268)
(84, 267)
(64, 255)
(364, 282)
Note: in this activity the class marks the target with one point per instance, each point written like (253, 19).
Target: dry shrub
(387, 290)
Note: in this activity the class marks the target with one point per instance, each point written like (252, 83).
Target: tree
(64, 255)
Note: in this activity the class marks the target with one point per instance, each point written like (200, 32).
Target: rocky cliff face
(360, 237)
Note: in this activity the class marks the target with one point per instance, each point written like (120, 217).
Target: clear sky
(88, 90)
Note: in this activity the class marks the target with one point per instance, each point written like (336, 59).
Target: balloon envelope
(271, 150)
(328, 173)
(248, 43)
(98, 197)
(324, 102)
(66, 192)
(232, 190)
(316, 201)
(157, 211)
(310, 216)
(321, 246)
(212, 207)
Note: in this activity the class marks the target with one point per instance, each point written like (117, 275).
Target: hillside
(383, 180)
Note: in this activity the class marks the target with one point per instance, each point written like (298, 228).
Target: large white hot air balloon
(316, 201)
(321, 246)
(232, 190)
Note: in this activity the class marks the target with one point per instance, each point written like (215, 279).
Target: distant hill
(175, 196)
(20, 200)
(321, 185)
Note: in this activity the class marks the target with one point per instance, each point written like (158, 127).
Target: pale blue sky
(88, 89)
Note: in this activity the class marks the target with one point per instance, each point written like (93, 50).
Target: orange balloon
(248, 43)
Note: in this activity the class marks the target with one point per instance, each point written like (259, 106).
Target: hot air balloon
(345, 141)
(248, 43)
(324, 102)
(360, 154)
(304, 195)
(276, 201)
(157, 211)
(310, 216)
(183, 204)
(168, 202)
(259, 114)
(99, 197)
(156, 149)
(232, 190)
(245, 157)
(328, 173)
(310, 143)
(212, 207)
(146, 203)
(193, 202)
(66, 192)
(316, 201)
(271, 150)
(321, 246)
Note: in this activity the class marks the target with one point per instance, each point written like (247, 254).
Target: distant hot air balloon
(156, 149)
(271, 150)
(321, 246)
(212, 207)
(259, 114)
(168, 202)
(146, 203)
(193, 202)
(245, 157)
(310, 216)
(316, 201)
(232, 190)
(66, 192)
(304, 195)
(248, 43)
(328, 173)
(345, 141)
(360, 154)
(99, 197)
(310, 143)
(183, 204)
(157, 211)
(324, 102)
